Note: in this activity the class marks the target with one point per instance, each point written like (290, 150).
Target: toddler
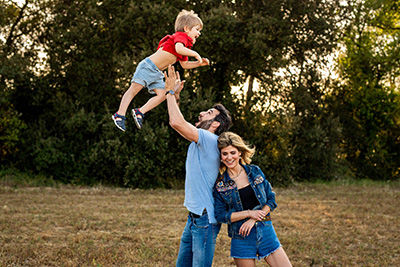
(172, 48)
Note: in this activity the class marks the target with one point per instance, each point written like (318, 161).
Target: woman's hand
(257, 215)
(246, 227)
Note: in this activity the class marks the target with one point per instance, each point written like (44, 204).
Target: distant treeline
(318, 87)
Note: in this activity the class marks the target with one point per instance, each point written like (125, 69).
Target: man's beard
(204, 124)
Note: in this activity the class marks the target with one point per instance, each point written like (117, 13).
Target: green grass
(358, 182)
(320, 224)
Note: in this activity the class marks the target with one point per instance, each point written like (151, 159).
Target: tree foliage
(65, 65)
(367, 99)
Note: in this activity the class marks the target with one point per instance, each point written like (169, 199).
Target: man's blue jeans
(197, 242)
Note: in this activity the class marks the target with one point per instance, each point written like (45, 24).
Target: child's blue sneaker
(138, 117)
(119, 123)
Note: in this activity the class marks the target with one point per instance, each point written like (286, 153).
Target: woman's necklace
(235, 177)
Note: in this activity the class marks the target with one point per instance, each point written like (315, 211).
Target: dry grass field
(318, 225)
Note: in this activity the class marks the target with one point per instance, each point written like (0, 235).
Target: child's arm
(194, 64)
(184, 51)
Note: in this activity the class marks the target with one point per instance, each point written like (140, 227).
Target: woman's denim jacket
(227, 199)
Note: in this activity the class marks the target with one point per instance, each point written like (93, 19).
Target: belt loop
(266, 218)
(193, 216)
(204, 212)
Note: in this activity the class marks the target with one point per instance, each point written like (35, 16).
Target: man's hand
(173, 82)
(170, 79)
(178, 86)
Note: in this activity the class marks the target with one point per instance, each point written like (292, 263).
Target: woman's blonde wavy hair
(231, 139)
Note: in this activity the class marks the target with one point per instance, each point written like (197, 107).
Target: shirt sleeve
(269, 193)
(184, 39)
(207, 140)
(200, 141)
(221, 209)
(181, 38)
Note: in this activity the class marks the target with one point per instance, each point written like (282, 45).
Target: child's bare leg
(134, 88)
(138, 113)
(154, 101)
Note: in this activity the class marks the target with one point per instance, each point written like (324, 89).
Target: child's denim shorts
(259, 244)
(149, 75)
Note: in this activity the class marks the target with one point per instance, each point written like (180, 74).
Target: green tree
(289, 43)
(367, 100)
(91, 50)
(17, 67)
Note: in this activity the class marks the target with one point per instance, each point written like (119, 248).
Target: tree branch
(387, 28)
(249, 93)
(11, 36)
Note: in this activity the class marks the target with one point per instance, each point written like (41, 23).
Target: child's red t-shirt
(169, 41)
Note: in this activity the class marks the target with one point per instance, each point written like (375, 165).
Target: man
(202, 163)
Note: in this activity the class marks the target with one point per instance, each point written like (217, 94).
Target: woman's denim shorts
(149, 75)
(259, 244)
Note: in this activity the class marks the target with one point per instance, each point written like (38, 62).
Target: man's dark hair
(224, 118)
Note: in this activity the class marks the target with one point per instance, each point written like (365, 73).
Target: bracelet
(172, 92)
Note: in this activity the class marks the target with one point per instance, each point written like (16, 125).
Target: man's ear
(186, 29)
(214, 125)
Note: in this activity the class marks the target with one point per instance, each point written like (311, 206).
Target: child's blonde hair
(187, 18)
(231, 139)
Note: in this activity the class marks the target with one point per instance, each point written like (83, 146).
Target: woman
(244, 200)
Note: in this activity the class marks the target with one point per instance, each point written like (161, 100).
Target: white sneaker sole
(115, 122)
(135, 118)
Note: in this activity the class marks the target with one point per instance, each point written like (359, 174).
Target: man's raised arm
(176, 119)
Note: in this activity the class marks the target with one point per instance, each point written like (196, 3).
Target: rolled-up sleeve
(270, 197)
(269, 193)
(221, 210)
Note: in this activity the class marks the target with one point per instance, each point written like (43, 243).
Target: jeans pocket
(266, 223)
(201, 222)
